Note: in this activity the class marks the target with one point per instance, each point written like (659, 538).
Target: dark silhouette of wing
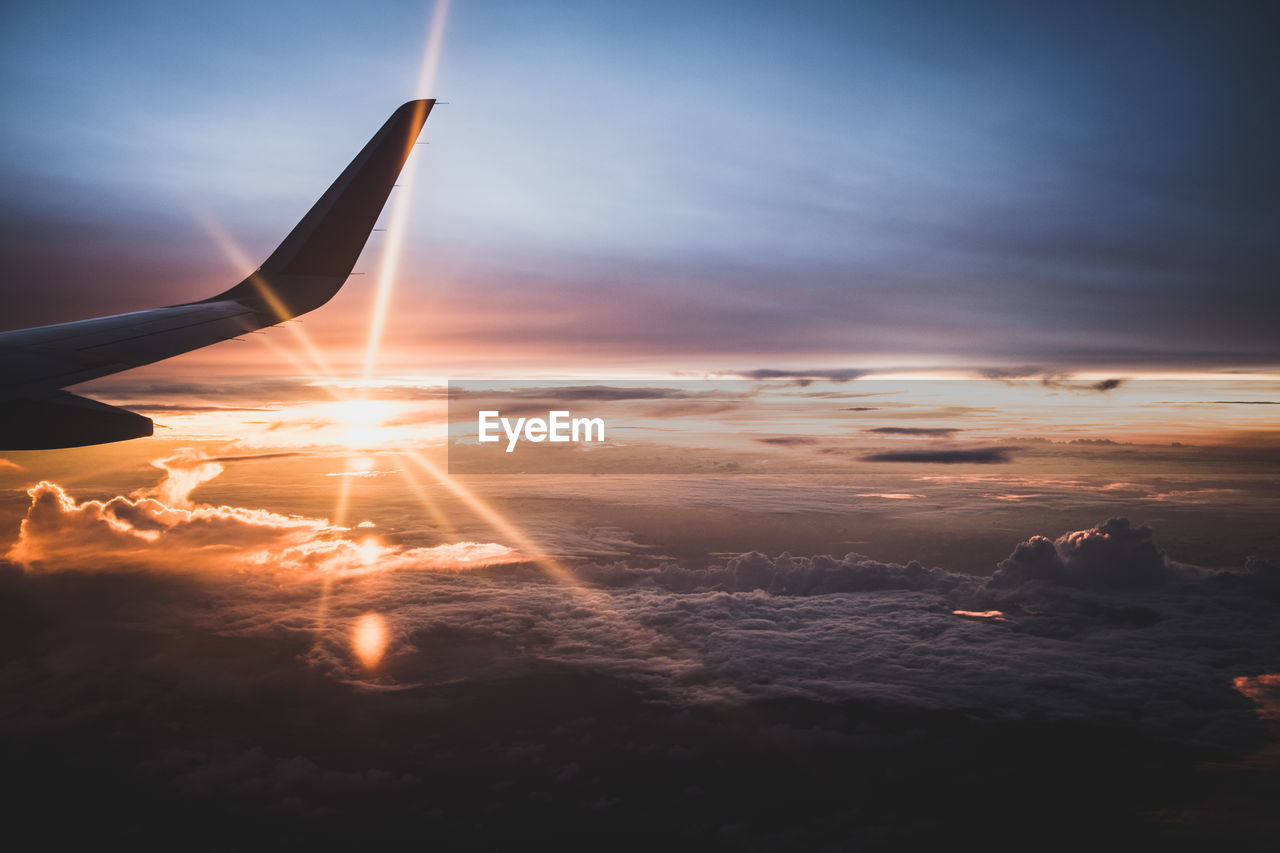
(302, 274)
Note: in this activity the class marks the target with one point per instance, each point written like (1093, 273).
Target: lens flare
(369, 639)
(397, 224)
(431, 56)
(361, 421)
(370, 551)
(319, 364)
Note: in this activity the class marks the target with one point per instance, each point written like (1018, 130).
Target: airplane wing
(303, 273)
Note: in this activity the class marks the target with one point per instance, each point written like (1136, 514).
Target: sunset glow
(743, 426)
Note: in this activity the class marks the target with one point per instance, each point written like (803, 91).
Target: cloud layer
(508, 695)
(168, 532)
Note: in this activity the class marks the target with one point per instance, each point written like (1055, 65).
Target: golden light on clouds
(369, 639)
(1264, 690)
(60, 533)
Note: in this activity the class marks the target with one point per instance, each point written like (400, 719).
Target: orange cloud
(1264, 690)
(160, 529)
(184, 471)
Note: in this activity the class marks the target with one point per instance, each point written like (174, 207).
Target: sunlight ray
(639, 636)
(238, 257)
(393, 249)
(438, 518)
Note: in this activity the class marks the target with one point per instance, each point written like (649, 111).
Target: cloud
(804, 378)
(1264, 690)
(788, 440)
(977, 455)
(184, 471)
(1048, 379)
(161, 529)
(578, 392)
(891, 496)
(9, 465)
(239, 689)
(927, 431)
(1116, 624)
(60, 534)
(190, 468)
(290, 782)
(1007, 373)
(1112, 554)
(783, 575)
(1112, 557)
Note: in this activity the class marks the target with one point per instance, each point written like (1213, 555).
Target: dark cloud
(788, 440)
(579, 392)
(1054, 381)
(804, 378)
(926, 431)
(1046, 378)
(784, 575)
(911, 411)
(1112, 554)
(976, 455)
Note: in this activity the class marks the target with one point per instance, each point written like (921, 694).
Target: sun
(361, 423)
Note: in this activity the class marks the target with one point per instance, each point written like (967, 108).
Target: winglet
(309, 267)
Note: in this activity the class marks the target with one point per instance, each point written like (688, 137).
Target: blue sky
(703, 185)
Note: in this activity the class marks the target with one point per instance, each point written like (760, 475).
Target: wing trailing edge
(63, 419)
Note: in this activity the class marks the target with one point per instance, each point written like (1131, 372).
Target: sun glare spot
(361, 423)
(370, 550)
(369, 639)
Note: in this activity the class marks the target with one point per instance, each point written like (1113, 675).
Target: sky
(936, 344)
(699, 186)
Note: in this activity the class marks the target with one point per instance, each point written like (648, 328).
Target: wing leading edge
(303, 273)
